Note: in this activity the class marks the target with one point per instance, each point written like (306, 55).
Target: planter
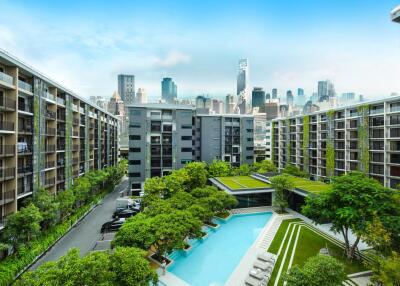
(225, 218)
(158, 260)
(213, 225)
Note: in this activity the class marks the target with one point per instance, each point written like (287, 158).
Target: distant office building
(301, 98)
(258, 99)
(274, 93)
(230, 104)
(260, 136)
(326, 90)
(141, 96)
(168, 90)
(126, 88)
(283, 110)
(272, 110)
(310, 107)
(268, 96)
(243, 79)
(348, 96)
(289, 98)
(203, 104)
(217, 106)
(314, 97)
(99, 101)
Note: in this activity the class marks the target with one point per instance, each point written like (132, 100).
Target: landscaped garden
(242, 182)
(296, 241)
(309, 186)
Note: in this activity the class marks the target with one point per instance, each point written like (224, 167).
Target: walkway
(87, 232)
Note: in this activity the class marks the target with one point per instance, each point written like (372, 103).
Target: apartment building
(48, 135)
(228, 137)
(364, 136)
(164, 137)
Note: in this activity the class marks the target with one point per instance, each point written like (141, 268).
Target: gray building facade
(126, 88)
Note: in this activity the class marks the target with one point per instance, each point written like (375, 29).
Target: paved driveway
(85, 234)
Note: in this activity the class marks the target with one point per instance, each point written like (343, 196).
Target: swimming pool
(211, 261)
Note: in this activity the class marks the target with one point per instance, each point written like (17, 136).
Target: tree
(131, 268)
(137, 231)
(291, 169)
(175, 182)
(281, 184)
(264, 166)
(48, 207)
(23, 226)
(386, 270)
(126, 266)
(219, 169)
(352, 204)
(181, 200)
(243, 170)
(318, 270)
(81, 189)
(197, 175)
(66, 201)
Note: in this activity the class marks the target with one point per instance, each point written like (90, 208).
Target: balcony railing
(24, 147)
(60, 162)
(7, 197)
(75, 121)
(49, 164)
(75, 161)
(24, 189)
(6, 78)
(7, 174)
(7, 126)
(60, 177)
(74, 107)
(25, 128)
(50, 96)
(24, 106)
(7, 103)
(50, 114)
(61, 116)
(60, 147)
(60, 101)
(23, 170)
(75, 133)
(50, 131)
(49, 182)
(7, 150)
(75, 147)
(60, 132)
(50, 148)
(24, 85)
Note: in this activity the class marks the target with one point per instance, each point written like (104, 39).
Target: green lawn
(310, 186)
(242, 182)
(309, 243)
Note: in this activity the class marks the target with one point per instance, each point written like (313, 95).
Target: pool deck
(261, 244)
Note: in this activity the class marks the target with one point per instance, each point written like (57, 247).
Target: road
(85, 234)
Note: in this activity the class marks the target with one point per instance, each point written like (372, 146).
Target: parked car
(112, 225)
(125, 213)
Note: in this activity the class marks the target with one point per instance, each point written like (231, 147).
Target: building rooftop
(242, 182)
(12, 60)
(161, 106)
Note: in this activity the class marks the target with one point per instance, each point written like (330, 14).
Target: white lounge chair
(267, 256)
(252, 281)
(259, 274)
(263, 265)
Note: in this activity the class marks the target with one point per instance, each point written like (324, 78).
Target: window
(250, 130)
(167, 128)
(134, 125)
(155, 139)
(185, 161)
(134, 137)
(249, 148)
(134, 162)
(186, 138)
(249, 157)
(249, 139)
(186, 126)
(186, 149)
(135, 112)
(134, 149)
(134, 174)
(155, 126)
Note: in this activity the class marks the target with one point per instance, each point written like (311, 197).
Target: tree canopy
(281, 184)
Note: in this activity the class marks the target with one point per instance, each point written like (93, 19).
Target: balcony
(60, 133)
(24, 148)
(50, 131)
(6, 126)
(60, 116)
(49, 182)
(7, 150)
(24, 86)
(7, 197)
(50, 115)
(24, 170)
(49, 96)
(25, 106)
(60, 177)
(60, 162)
(75, 147)
(7, 104)
(75, 161)
(25, 128)
(60, 147)
(7, 174)
(75, 121)
(9, 80)
(75, 133)
(75, 173)
(60, 101)
(24, 189)
(75, 107)
(49, 164)
(49, 148)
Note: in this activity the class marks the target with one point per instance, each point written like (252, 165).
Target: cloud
(173, 58)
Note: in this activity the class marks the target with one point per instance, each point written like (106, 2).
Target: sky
(84, 45)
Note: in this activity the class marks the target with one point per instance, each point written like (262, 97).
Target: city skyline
(358, 53)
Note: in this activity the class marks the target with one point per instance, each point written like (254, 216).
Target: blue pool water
(211, 262)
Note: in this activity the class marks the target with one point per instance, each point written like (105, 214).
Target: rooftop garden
(309, 186)
(242, 182)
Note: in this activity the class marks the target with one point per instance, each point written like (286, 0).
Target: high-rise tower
(126, 88)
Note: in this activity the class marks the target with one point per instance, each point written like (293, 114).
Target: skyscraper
(126, 88)
(289, 98)
(258, 98)
(274, 93)
(229, 104)
(243, 79)
(326, 90)
(168, 90)
(301, 98)
(141, 96)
